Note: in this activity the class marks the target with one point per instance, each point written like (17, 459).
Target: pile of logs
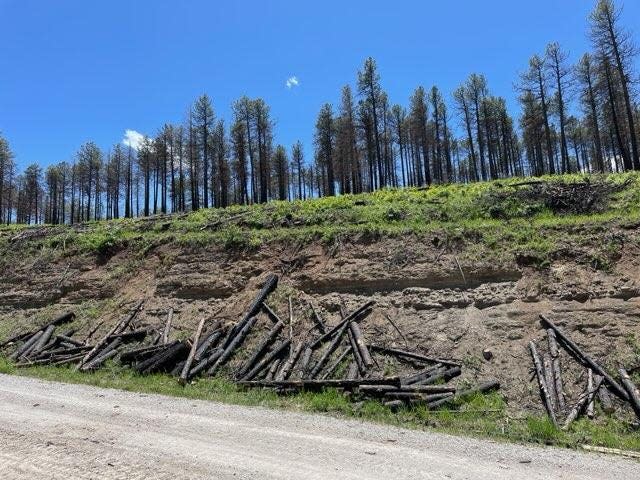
(318, 357)
(599, 384)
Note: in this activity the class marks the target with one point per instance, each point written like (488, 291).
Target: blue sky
(74, 71)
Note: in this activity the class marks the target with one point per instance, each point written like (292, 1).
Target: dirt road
(51, 430)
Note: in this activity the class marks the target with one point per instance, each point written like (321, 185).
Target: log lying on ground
(275, 353)
(555, 366)
(273, 316)
(99, 360)
(542, 383)
(590, 387)
(413, 356)
(361, 345)
(317, 319)
(132, 336)
(167, 327)
(275, 365)
(585, 360)
(306, 360)
(67, 339)
(261, 349)
(16, 338)
(192, 353)
(335, 342)
(632, 391)
(356, 353)
(418, 377)
(43, 340)
(234, 343)
(318, 384)
(603, 396)
(352, 371)
(382, 389)
(585, 397)
(206, 362)
(550, 381)
(408, 398)
(26, 346)
(117, 328)
(140, 354)
(288, 365)
(482, 388)
(442, 373)
(207, 343)
(354, 316)
(166, 359)
(334, 366)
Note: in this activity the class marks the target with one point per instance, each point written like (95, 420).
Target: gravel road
(52, 430)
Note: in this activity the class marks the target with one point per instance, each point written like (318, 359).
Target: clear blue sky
(73, 71)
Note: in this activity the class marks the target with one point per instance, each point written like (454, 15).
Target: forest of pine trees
(580, 117)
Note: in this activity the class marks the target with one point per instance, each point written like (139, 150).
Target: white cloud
(292, 82)
(133, 139)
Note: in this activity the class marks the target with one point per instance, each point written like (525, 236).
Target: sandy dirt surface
(52, 430)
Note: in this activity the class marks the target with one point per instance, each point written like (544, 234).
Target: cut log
(555, 366)
(306, 360)
(590, 387)
(416, 398)
(42, 341)
(328, 351)
(352, 371)
(262, 364)
(356, 353)
(413, 356)
(632, 391)
(334, 366)
(132, 336)
(585, 360)
(117, 328)
(550, 381)
(16, 338)
(442, 373)
(354, 316)
(482, 388)
(26, 346)
(318, 384)
(68, 339)
(208, 342)
(139, 354)
(235, 342)
(98, 360)
(261, 349)
(288, 365)
(65, 361)
(603, 396)
(167, 327)
(273, 369)
(317, 319)
(165, 359)
(544, 389)
(423, 374)
(206, 363)
(362, 346)
(192, 353)
(585, 397)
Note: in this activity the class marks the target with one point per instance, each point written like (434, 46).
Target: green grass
(480, 415)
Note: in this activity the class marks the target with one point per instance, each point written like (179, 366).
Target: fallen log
(163, 359)
(206, 363)
(192, 353)
(591, 402)
(16, 338)
(288, 365)
(603, 396)
(43, 340)
(443, 373)
(142, 365)
(555, 366)
(235, 342)
(208, 342)
(134, 335)
(273, 370)
(261, 349)
(167, 327)
(550, 381)
(412, 355)
(98, 360)
(275, 353)
(352, 372)
(584, 398)
(361, 345)
(333, 367)
(317, 319)
(273, 316)
(328, 351)
(139, 354)
(482, 388)
(356, 353)
(306, 360)
(423, 374)
(26, 346)
(542, 383)
(632, 391)
(68, 339)
(354, 316)
(382, 389)
(316, 384)
(585, 360)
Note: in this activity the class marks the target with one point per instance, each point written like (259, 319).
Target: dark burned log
(158, 353)
(16, 338)
(413, 356)
(26, 346)
(407, 398)
(207, 343)
(70, 359)
(109, 352)
(354, 316)
(632, 391)
(192, 353)
(585, 360)
(603, 396)
(442, 373)
(273, 316)
(167, 359)
(482, 388)
(273, 370)
(328, 351)
(117, 328)
(167, 327)
(133, 336)
(585, 397)
(306, 360)
(206, 363)
(68, 339)
(317, 319)
(544, 389)
(555, 366)
(288, 365)
(140, 354)
(275, 353)
(362, 346)
(60, 320)
(270, 284)
(235, 342)
(334, 366)
(261, 349)
(422, 375)
(42, 341)
(382, 389)
(64, 351)
(319, 384)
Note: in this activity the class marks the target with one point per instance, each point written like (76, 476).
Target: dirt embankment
(445, 301)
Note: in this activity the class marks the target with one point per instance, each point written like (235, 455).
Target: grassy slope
(490, 222)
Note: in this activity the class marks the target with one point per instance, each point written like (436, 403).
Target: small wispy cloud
(133, 139)
(292, 82)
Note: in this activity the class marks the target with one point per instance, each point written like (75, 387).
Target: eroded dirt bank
(447, 302)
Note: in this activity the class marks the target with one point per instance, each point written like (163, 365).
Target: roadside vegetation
(480, 415)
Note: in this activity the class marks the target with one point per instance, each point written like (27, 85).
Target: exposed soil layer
(443, 303)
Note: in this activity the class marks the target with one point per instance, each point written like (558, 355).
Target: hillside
(462, 270)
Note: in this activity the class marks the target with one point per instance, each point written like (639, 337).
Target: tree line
(582, 117)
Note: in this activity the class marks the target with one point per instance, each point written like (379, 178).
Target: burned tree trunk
(632, 391)
(544, 389)
(261, 349)
(192, 353)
